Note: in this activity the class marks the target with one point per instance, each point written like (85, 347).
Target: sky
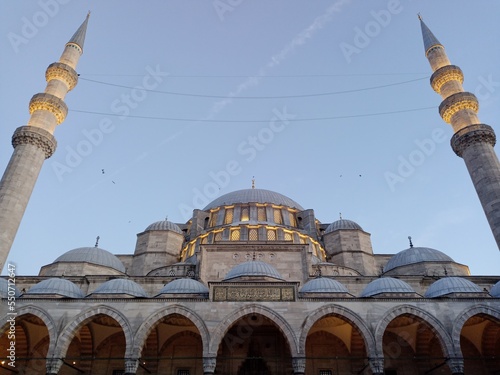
(327, 102)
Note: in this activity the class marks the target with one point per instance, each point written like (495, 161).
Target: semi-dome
(92, 255)
(164, 225)
(323, 285)
(386, 285)
(416, 255)
(253, 268)
(448, 285)
(253, 196)
(57, 286)
(184, 286)
(343, 224)
(4, 289)
(121, 286)
(495, 290)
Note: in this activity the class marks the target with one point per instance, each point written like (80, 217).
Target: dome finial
(97, 241)
(419, 16)
(340, 214)
(253, 182)
(166, 217)
(411, 243)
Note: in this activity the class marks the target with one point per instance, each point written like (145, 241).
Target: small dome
(121, 286)
(58, 286)
(253, 196)
(4, 289)
(323, 285)
(386, 285)
(164, 225)
(184, 286)
(495, 290)
(92, 255)
(448, 285)
(416, 255)
(253, 268)
(343, 224)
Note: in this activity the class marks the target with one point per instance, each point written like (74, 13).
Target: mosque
(253, 283)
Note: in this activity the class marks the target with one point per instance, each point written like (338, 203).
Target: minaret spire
(35, 142)
(472, 140)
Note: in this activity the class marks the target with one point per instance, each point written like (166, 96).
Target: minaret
(35, 142)
(472, 140)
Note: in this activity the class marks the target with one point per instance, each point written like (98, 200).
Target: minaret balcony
(62, 72)
(457, 102)
(446, 74)
(50, 103)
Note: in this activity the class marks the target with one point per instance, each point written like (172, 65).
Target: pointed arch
(224, 326)
(468, 313)
(40, 313)
(344, 313)
(434, 324)
(72, 328)
(147, 326)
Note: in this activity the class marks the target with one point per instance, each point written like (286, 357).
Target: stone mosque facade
(253, 283)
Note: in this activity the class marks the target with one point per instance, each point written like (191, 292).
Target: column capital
(299, 365)
(53, 365)
(131, 365)
(477, 133)
(456, 365)
(209, 364)
(376, 365)
(35, 136)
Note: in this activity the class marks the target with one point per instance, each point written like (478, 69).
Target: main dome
(253, 196)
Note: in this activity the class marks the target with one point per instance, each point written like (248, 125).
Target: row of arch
(450, 342)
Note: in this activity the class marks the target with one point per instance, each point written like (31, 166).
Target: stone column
(131, 366)
(299, 365)
(53, 366)
(474, 144)
(456, 365)
(377, 366)
(32, 146)
(209, 364)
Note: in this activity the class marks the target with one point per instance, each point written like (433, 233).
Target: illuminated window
(245, 216)
(218, 236)
(253, 235)
(229, 216)
(271, 235)
(213, 218)
(261, 214)
(277, 216)
(293, 223)
(235, 235)
(288, 236)
(325, 372)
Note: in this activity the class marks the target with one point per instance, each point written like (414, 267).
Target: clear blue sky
(367, 56)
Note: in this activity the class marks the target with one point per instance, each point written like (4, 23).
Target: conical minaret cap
(429, 39)
(79, 36)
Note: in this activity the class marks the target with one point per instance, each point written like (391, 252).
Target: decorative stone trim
(377, 365)
(299, 365)
(62, 72)
(209, 364)
(472, 134)
(53, 365)
(51, 103)
(35, 136)
(456, 365)
(457, 102)
(446, 74)
(131, 365)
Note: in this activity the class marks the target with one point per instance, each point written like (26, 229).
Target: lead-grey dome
(184, 286)
(253, 268)
(4, 289)
(448, 285)
(343, 224)
(57, 286)
(164, 225)
(386, 285)
(495, 290)
(416, 255)
(323, 285)
(92, 255)
(121, 286)
(253, 196)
